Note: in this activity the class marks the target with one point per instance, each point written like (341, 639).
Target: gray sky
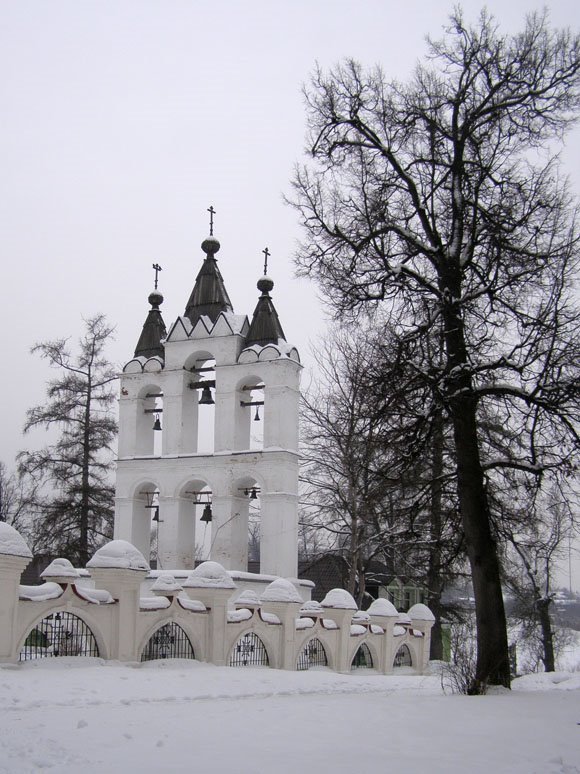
(123, 120)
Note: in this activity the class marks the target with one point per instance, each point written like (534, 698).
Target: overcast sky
(123, 120)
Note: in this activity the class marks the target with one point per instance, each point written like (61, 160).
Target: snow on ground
(72, 715)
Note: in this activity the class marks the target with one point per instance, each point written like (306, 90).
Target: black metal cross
(211, 214)
(157, 269)
(266, 256)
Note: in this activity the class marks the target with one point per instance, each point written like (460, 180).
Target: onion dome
(265, 327)
(209, 295)
(154, 331)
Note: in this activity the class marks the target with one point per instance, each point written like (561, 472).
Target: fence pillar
(125, 586)
(11, 568)
(211, 584)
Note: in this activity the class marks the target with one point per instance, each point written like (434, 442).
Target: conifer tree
(73, 503)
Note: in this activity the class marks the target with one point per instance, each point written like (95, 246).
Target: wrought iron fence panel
(362, 658)
(249, 650)
(312, 654)
(403, 657)
(59, 634)
(169, 641)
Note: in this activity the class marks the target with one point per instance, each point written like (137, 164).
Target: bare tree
(376, 470)
(16, 491)
(342, 471)
(534, 544)
(439, 196)
(74, 495)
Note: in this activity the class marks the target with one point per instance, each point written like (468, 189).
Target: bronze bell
(207, 514)
(157, 423)
(206, 397)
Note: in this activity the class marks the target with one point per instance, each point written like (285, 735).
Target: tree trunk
(434, 581)
(543, 606)
(85, 483)
(492, 644)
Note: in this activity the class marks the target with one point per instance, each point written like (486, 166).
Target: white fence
(204, 619)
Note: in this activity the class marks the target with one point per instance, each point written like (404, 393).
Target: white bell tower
(213, 374)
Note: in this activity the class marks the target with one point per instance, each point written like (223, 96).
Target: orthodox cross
(157, 269)
(266, 256)
(211, 214)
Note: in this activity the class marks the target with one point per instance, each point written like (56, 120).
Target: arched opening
(150, 421)
(248, 512)
(196, 500)
(362, 658)
(312, 655)
(169, 641)
(403, 657)
(59, 634)
(250, 415)
(249, 650)
(199, 415)
(148, 522)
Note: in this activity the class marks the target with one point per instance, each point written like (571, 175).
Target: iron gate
(249, 650)
(169, 641)
(312, 654)
(59, 634)
(362, 658)
(403, 657)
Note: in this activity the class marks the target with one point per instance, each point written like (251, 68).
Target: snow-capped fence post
(281, 598)
(422, 621)
(384, 614)
(120, 568)
(340, 607)
(211, 584)
(15, 556)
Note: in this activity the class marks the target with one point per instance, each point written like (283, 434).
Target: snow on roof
(209, 575)
(340, 599)
(304, 623)
(281, 590)
(12, 543)
(356, 630)
(361, 617)
(191, 604)
(154, 603)
(61, 568)
(404, 618)
(96, 596)
(312, 606)
(328, 623)
(235, 616)
(377, 629)
(383, 607)
(166, 583)
(119, 554)
(41, 593)
(398, 631)
(421, 612)
(269, 618)
(247, 597)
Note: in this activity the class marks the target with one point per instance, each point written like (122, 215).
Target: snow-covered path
(86, 716)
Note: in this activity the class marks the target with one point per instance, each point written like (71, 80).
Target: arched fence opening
(403, 657)
(169, 641)
(249, 650)
(312, 654)
(362, 658)
(59, 634)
